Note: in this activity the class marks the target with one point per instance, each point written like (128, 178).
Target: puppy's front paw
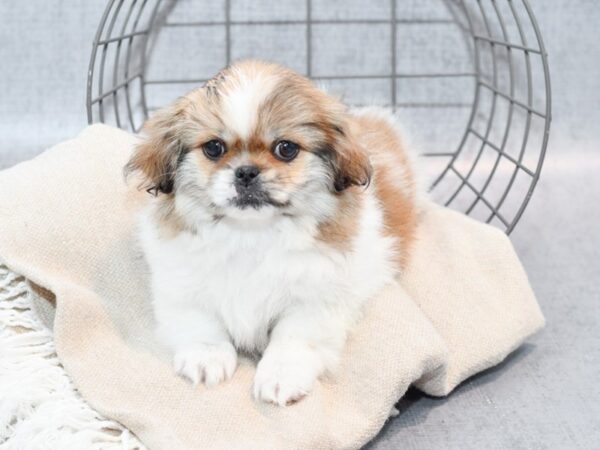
(208, 363)
(282, 383)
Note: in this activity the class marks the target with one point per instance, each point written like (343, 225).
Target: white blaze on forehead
(243, 95)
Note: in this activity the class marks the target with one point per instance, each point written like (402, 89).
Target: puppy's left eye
(286, 150)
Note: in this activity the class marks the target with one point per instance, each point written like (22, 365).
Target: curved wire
(475, 106)
(151, 23)
(465, 179)
(548, 116)
(509, 118)
(527, 128)
(105, 44)
(128, 64)
(116, 63)
(92, 65)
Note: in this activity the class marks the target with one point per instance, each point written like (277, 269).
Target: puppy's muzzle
(248, 188)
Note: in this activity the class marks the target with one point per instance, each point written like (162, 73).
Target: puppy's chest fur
(249, 278)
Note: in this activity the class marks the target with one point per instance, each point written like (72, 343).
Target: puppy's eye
(286, 150)
(214, 149)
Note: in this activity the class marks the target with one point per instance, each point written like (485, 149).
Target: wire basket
(468, 79)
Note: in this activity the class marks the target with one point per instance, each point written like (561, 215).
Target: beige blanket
(67, 224)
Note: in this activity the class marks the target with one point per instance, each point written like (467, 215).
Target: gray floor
(547, 394)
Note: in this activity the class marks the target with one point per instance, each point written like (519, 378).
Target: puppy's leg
(303, 345)
(202, 348)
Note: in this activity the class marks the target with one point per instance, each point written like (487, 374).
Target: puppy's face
(256, 142)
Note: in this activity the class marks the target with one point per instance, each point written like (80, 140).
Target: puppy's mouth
(254, 197)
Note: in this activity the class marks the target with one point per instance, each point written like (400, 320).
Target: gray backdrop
(547, 394)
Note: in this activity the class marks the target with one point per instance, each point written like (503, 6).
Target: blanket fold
(67, 224)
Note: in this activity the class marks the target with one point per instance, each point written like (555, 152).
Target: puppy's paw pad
(207, 363)
(282, 385)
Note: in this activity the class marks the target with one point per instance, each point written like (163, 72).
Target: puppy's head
(257, 141)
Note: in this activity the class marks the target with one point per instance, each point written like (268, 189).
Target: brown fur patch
(394, 182)
(339, 230)
(157, 155)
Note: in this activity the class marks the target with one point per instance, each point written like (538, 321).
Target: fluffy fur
(282, 268)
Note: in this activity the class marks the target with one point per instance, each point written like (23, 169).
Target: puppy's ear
(156, 157)
(351, 165)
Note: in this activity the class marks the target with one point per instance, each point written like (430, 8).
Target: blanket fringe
(39, 406)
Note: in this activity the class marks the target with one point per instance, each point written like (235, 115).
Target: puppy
(278, 213)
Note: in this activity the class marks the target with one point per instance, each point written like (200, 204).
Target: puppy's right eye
(214, 149)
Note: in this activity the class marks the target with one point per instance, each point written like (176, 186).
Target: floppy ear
(351, 165)
(160, 151)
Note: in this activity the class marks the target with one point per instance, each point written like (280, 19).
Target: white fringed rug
(39, 406)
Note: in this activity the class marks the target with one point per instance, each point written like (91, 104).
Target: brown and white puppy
(278, 213)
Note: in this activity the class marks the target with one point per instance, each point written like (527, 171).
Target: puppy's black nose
(246, 174)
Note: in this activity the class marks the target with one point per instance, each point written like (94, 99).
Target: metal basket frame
(127, 26)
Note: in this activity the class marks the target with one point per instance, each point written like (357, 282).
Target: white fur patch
(266, 285)
(242, 98)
